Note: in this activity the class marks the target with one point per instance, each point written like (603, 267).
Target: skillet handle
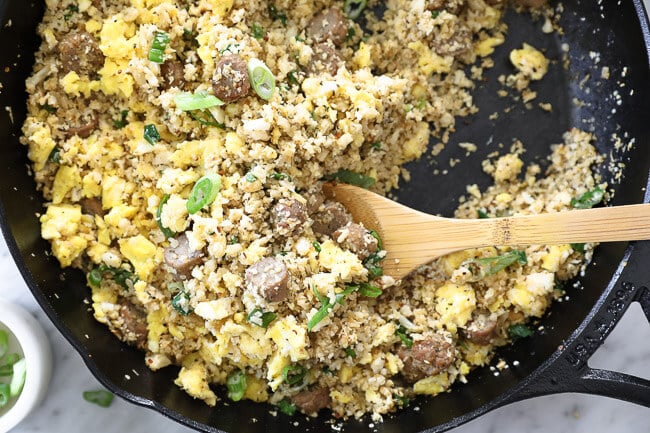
(568, 369)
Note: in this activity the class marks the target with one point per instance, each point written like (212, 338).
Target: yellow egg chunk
(142, 254)
(530, 61)
(455, 304)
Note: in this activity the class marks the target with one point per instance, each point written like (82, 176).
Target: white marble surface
(65, 411)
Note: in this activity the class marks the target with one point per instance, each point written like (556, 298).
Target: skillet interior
(612, 30)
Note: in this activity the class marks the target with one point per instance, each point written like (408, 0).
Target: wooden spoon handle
(620, 223)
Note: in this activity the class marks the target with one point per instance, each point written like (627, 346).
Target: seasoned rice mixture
(181, 147)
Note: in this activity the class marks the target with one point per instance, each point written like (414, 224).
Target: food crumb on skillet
(261, 283)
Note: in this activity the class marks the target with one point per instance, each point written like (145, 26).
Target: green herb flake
(100, 398)
(276, 14)
(292, 78)
(579, 248)
(234, 239)
(121, 122)
(250, 177)
(401, 400)
(165, 231)
(151, 134)
(236, 384)
(350, 34)
(369, 291)
(404, 336)
(293, 374)
(317, 246)
(48, 108)
(491, 265)
(350, 352)
(327, 305)
(55, 155)
(258, 31)
(286, 407)
(70, 11)
(519, 331)
(353, 178)
(434, 14)
(588, 199)
(261, 318)
(327, 370)
(280, 176)
(181, 303)
(123, 277)
(375, 146)
(482, 214)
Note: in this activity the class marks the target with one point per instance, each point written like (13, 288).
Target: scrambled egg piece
(455, 304)
(530, 62)
(194, 380)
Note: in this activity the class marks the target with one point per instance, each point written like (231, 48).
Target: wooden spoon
(412, 238)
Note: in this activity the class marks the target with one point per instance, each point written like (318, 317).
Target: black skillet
(555, 360)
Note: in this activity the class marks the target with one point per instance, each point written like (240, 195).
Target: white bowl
(38, 355)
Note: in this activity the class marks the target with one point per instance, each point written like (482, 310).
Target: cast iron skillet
(555, 360)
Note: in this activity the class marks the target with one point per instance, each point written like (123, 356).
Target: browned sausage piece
(325, 59)
(230, 80)
(91, 206)
(426, 358)
(172, 75)
(181, 257)
(458, 43)
(357, 239)
(79, 52)
(481, 329)
(329, 218)
(132, 324)
(288, 216)
(269, 278)
(329, 24)
(88, 124)
(313, 400)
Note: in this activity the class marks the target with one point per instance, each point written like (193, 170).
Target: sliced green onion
(401, 400)
(258, 31)
(353, 8)
(167, 232)
(157, 50)
(48, 108)
(94, 277)
(327, 305)
(181, 303)
(4, 394)
(100, 398)
(7, 369)
(261, 318)
(262, 79)
(350, 352)
(4, 342)
(376, 145)
(151, 134)
(280, 176)
(18, 379)
(203, 193)
(234, 239)
(350, 34)
(294, 374)
(403, 335)
(204, 117)
(588, 199)
(196, 101)
(250, 177)
(482, 214)
(236, 384)
(123, 277)
(353, 178)
(434, 14)
(369, 291)
(286, 407)
(519, 331)
(292, 78)
(317, 246)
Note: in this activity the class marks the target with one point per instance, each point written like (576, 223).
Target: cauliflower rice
(269, 289)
